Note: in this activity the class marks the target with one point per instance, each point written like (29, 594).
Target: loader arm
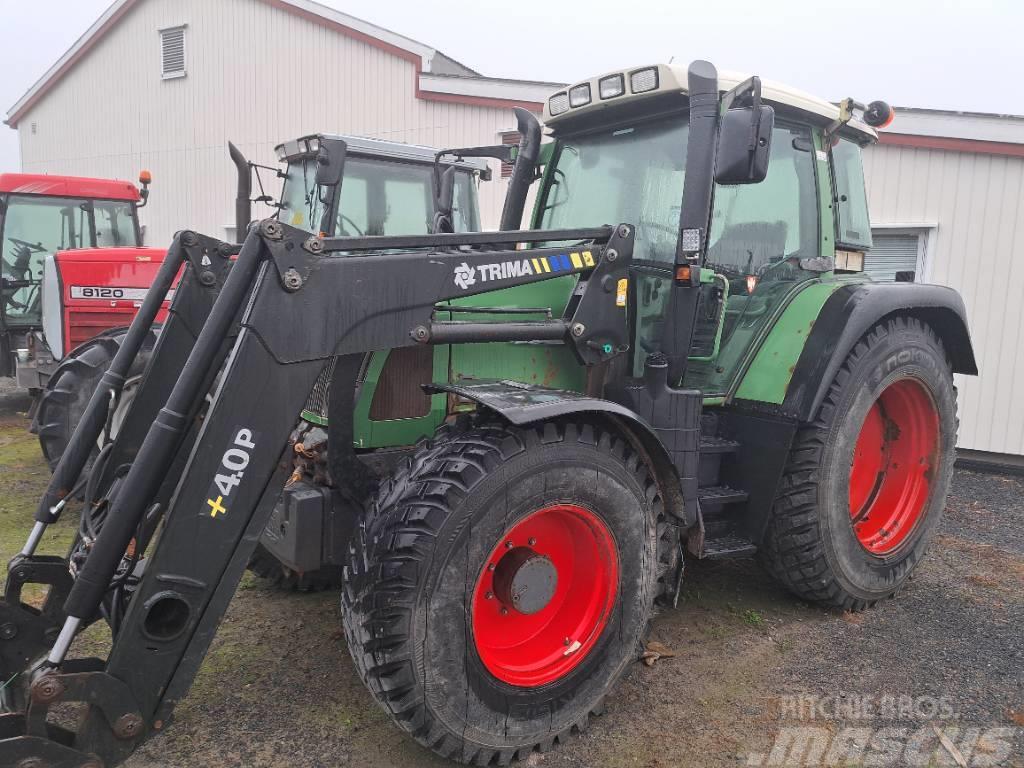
(296, 302)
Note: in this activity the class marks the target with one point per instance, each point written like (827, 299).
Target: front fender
(850, 312)
(524, 404)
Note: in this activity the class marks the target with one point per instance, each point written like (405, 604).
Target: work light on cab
(643, 80)
(579, 95)
(611, 86)
(559, 103)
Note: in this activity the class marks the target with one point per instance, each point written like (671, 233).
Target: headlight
(282, 153)
(579, 95)
(558, 103)
(313, 144)
(611, 86)
(643, 80)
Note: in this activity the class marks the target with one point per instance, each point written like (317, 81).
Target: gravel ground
(751, 663)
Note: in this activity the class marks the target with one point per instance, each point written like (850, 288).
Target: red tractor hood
(100, 288)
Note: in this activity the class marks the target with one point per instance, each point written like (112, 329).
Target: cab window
(33, 228)
(853, 227)
(761, 238)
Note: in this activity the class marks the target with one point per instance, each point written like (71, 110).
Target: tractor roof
(68, 186)
(671, 78)
(359, 146)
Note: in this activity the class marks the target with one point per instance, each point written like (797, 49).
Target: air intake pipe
(523, 171)
(243, 197)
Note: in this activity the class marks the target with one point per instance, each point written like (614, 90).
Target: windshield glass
(33, 227)
(378, 197)
(632, 174)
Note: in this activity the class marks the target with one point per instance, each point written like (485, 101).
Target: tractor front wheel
(68, 391)
(866, 481)
(502, 583)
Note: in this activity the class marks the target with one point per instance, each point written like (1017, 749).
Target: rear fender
(850, 312)
(524, 404)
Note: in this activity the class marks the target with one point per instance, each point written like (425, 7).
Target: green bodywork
(754, 361)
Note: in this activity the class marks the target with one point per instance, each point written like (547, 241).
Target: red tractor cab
(72, 267)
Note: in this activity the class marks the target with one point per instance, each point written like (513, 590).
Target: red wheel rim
(544, 595)
(890, 476)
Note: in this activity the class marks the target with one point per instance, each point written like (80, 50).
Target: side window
(760, 235)
(114, 224)
(755, 226)
(853, 226)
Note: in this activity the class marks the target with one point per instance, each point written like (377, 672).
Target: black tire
(810, 545)
(266, 566)
(407, 598)
(67, 393)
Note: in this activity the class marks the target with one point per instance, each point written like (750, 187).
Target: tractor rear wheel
(501, 584)
(62, 403)
(866, 481)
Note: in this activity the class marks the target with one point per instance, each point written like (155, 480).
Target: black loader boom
(199, 496)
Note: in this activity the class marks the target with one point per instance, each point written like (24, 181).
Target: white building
(946, 193)
(159, 84)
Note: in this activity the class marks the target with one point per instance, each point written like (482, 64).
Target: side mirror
(744, 144)
(444, 200)
(330, 162)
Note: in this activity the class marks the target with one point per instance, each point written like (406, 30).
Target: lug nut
(490, 567)
(533, 541)
(504, 611)
(489, 596)
(509, 545)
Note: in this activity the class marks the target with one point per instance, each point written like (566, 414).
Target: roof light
(558, 103)
(579, 95)
(282, 153)
(644, 80)
(611, 86)
(145, 177)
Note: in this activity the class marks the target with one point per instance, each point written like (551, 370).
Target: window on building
(172, 52)
(895, 257)
(513, 138)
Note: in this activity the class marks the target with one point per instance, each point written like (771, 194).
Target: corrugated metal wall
(277, 76)
(977, 201)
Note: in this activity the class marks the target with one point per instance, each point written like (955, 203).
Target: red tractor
(73, 274)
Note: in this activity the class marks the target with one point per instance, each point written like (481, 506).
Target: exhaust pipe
(522, 172)
(243, 201)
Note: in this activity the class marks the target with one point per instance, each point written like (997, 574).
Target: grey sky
(948, 54)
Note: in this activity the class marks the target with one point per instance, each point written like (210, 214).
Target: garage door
(891, 253)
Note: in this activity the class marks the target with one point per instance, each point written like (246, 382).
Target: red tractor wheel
(502, 583)
(866, 482)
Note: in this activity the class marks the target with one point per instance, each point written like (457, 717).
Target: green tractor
(510, 442)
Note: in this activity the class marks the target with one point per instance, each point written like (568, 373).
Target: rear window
(853, 226)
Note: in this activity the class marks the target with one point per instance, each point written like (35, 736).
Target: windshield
(632, 174)
(35, 226)
(378, 197)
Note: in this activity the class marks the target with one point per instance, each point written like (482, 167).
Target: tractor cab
(620, 154)
(389, 188)
(44, 219)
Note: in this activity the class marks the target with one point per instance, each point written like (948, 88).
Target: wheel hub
(544, 595)
(891, 471)
(525, 580)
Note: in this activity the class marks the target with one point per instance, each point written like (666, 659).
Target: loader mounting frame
(202, 487)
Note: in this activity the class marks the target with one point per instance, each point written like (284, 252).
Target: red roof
(68, 186)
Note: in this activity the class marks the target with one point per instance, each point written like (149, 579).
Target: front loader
(708, 374)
